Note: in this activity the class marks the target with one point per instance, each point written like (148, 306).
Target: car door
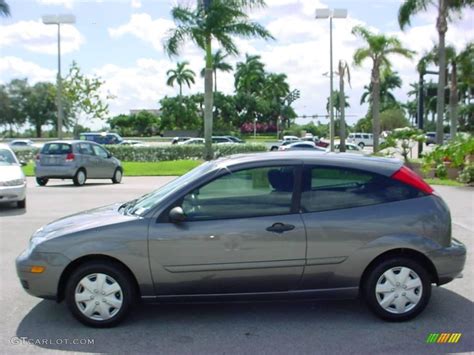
(106, 166)
(241, 234)
(88, 159)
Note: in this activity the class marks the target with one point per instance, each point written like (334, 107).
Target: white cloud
(66, 3)
(14, 67)
(38, 37)
(136, 4)
(145, 28)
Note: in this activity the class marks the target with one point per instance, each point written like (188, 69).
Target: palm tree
(276, 87)
(389, 80)
(4, 9)
(249, 76)
(217, 20)
(181, 75)
(342, 71)
(218, 64)
(446, 8)
(379, 48)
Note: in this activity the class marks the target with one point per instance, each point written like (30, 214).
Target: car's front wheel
(117, 178)
(397, 289)
(99, 294)
(361, 145)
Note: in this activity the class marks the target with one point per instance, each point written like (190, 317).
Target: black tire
(115, 271)
(361, 145)
(77, 179)
(118, 174)
(42, 181)
(273, 149)
(376, 273)
(21, 204)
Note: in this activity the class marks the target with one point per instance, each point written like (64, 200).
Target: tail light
(70, 157)
(409, 177)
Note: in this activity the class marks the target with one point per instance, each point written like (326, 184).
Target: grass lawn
(444, 182)
(162, 168)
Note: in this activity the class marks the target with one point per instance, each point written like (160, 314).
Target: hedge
(162, 153)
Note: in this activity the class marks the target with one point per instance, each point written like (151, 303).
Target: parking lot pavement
(274, 327)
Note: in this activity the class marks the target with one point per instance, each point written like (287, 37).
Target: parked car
(302, 145)
(283, 143)
(350, 148)
(21, 143)
(192, 141)
(222, 140)
(12, 179)
(101, 137)
(431, 137)
(290, 138)
(177, 140)
(322, 144)
(76, 160)
(133, 143)
(235, 139)
(361, 139)
(276, 225)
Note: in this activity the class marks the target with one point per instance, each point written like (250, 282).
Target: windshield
(7, 157)
(145, 203)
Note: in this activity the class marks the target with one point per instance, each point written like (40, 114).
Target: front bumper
(45, 284)
(12, 193)
(449, 261)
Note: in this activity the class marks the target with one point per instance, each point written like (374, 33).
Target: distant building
(156, 112)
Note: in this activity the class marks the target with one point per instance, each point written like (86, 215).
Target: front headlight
(16, 182)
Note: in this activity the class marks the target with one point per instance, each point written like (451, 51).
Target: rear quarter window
(331, 188)
(56, 149)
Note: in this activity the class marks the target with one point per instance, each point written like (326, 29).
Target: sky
(121, 41)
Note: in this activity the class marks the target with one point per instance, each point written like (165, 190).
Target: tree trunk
(208, 102)
(442, 27)
(376, 105)
(342, 123)
(453, 101)
(38, 130)
(215, 80)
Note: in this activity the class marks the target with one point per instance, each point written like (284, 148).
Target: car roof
(5, 146)
(69, 141)
(379, 165)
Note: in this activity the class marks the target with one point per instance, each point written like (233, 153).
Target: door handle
(280, 227)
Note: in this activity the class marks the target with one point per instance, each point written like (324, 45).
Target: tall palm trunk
(342, 123)
(215, 80)
(453, 101)
(208, 102)
(376, 104)
(442, 27)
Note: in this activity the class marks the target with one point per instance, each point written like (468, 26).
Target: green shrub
(466, 176)
(162, 153)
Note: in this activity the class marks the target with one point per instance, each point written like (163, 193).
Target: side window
(358, 136)
(329, 188)
(242, 194)
(99, 151)
(365, 136)
(85, 148)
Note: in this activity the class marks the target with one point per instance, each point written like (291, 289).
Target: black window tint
(56, 149)
(242, 194)
(328, 188)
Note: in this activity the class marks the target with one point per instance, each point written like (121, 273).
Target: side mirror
(177, 215)
(23, 163)
(109, 155)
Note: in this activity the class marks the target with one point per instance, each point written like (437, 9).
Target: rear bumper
(449, 261)
(12, 193)
(55, 171)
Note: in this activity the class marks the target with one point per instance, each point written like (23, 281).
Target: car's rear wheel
(273, 148)
(22, 203)
(397, 289)
(41, 181)
(117, 178)
(361, 145)
(80, 177)
(99, 294)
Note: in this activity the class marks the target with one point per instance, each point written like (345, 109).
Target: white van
(361, 139)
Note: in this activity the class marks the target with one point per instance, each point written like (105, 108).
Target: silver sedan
(12, 179)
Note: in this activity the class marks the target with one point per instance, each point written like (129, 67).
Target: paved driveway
(244, 328)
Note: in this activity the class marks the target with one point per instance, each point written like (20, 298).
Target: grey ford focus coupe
(255, 226)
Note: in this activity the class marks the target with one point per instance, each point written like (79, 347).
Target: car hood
(90, 219)
(10, 172)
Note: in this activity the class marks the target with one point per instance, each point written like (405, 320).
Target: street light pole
(58, 20)
(324, 14)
